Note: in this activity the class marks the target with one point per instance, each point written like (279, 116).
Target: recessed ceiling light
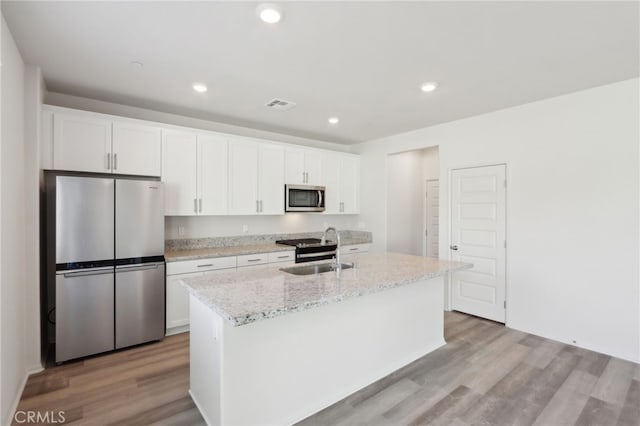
(199, 87)
(429, 87)
(334, 120)
(269, 13)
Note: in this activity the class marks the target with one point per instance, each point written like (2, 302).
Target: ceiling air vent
(280, 104)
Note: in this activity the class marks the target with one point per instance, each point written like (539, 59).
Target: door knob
(453, 247)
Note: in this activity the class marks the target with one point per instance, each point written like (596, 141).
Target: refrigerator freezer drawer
(140, 299)
(84, 313)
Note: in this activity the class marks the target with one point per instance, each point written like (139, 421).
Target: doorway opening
(407, 222)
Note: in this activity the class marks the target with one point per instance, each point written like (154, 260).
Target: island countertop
(244, 297)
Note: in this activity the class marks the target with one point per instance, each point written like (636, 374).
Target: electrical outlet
(181, 230)
(245, 228)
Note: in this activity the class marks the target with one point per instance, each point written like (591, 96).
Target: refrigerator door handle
(129, 268)
(86, 272)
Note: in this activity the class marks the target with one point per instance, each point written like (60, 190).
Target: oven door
(304, 198)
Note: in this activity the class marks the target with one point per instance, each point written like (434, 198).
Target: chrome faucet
(324, 241)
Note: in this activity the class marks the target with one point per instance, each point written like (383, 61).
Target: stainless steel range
(310, 249)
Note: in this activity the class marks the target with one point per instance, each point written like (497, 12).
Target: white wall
(13, 365)
(34, 94)
(572, 209)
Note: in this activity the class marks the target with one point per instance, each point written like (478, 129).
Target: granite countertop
(223, 251)
(244, 297)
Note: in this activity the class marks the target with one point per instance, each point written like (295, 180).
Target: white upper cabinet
(180, 173)
(303, 166)
(256, 177)
(91, 143)
(331, 174)
(136, 149)
(243, 177)
(212, 175)
(271, 179)
(81, 143)
(204, 173)
(341, 174)
(194, 173)
(350, 184)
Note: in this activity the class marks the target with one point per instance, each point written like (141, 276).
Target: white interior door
(478, 236)
(432, 218)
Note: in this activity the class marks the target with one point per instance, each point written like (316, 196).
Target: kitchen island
(270, 348)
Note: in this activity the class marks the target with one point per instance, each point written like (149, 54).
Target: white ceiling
(363, 62)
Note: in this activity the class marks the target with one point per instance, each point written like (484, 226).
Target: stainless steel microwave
(303, 198)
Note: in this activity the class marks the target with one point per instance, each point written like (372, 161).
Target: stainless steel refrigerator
(108, 239)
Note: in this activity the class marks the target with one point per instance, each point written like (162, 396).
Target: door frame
(448, 290)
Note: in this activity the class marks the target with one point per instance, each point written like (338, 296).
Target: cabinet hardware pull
(353, 249)
(115, 161)
(108, 161)
(283, 257)
(304, 178)
(253, 260)
(207, 265)
(195, 205)
(257, 206)
(260, 206)
(200, 205)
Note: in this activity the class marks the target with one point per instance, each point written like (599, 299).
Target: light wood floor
(485, 375)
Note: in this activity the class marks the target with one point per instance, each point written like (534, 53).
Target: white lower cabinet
(178, 303)
(177, 299)
(349, 253)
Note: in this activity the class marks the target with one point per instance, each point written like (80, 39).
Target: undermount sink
(315, 269)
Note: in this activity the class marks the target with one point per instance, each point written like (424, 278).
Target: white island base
(280, 370)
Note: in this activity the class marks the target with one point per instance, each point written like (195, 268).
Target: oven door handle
(319, 198)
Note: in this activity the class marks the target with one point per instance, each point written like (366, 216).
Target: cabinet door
(271, 182)
(294, 166)
(243, 177)
(350, 184)
(179, 173)
(137, 149)
(313, 167)
(331, 181)
(178, 301)
(212, 175)
(81, 143)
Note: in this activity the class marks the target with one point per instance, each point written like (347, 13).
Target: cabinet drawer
(356, 248)
(282, 256)
(200, 265)
(253, 259)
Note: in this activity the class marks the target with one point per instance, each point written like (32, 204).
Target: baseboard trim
(16, 401)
